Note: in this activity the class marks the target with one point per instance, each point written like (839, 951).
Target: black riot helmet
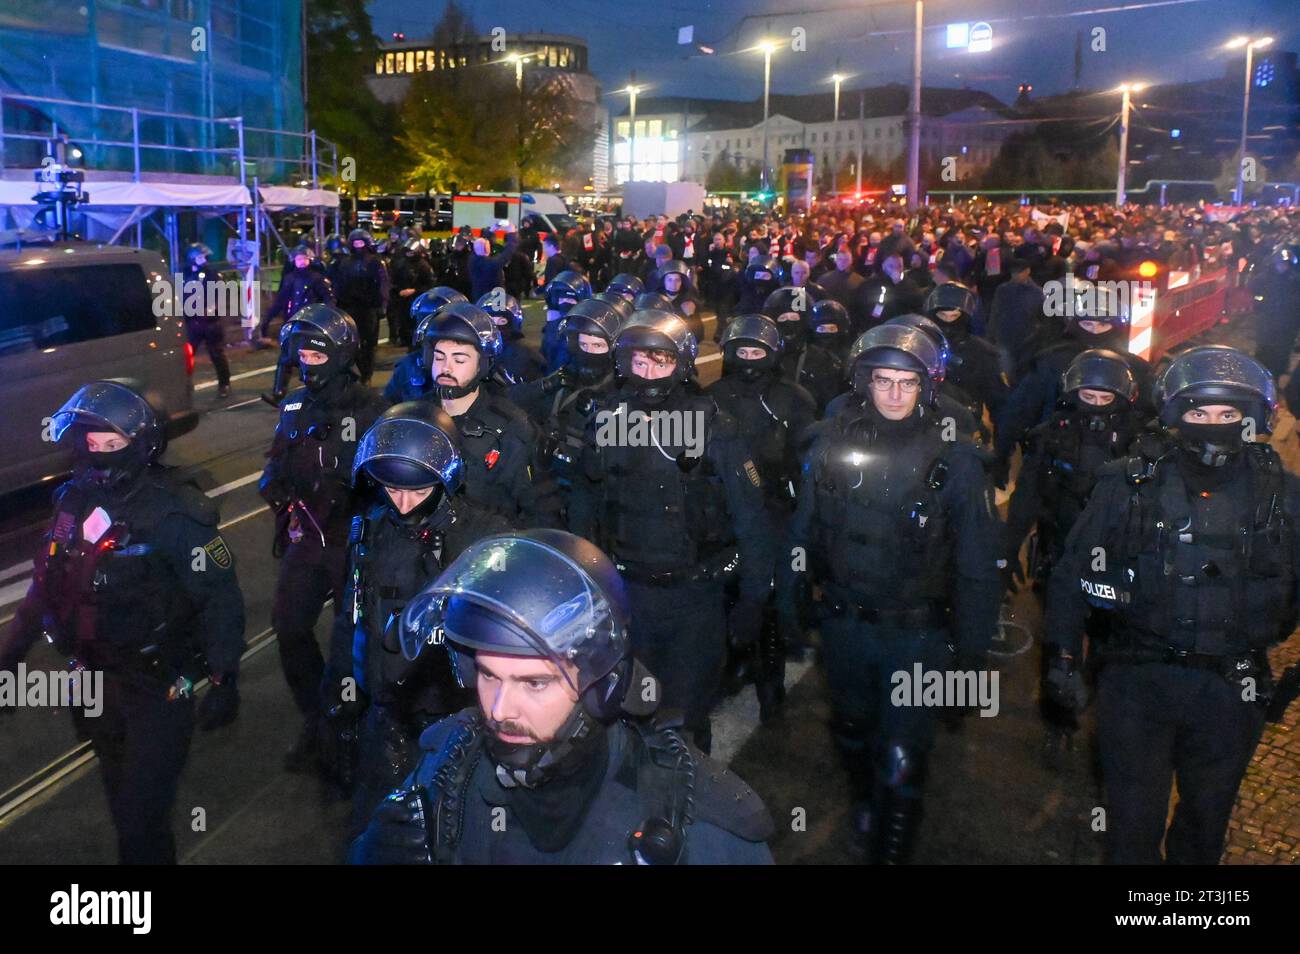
(413, 445)
(676, 267)
(537, 594)
(361, 235)
(788, 307)
(196, 251)
(1217, 374)
(121, 405)
(750, 331)
(599, 319)
(935, 333)
(952, 296)
(899, 348)
(653, 301)
(1091, 301)
(324, 328)
(565, 290)
(302, 249)
(654, 330)
(626, 286)
(425, 306)
(622, 305)
(828, 322)
(504, 310)
(1099, 369)
(334, 243)
(470, 324)
(764, 275)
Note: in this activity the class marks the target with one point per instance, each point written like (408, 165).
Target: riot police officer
(562, 292)
(772, 414)
(519, 361)
(669, 490)
(305, 285)
(562, 404)
(1098, 322)
(626, 285)
(898, 528)
(803, 361)
(204, 329)
(308, 484)
(412, 275)
(761, 277)
(414, 521)
(410, 379)
(1192, 554)
(134, 581)
(677, 281)
(461, 348)
(975, 375)
(558, 763)
(361, 284)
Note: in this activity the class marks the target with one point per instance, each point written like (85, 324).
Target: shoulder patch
(724, 801)
(220, 553)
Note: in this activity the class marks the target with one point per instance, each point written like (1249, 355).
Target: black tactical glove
(220, 706)
(1064, 684)
(398, 832)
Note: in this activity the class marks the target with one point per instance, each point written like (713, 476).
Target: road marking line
(16, 570)
(234, 484)
(231, 407)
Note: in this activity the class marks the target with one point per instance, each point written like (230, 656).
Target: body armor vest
(761, 411)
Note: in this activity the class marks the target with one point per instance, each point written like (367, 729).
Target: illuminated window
(655, 128)
(419, 61)
(379, 65)
(552, 57)
(464, 61)
(564, 57)
(410, 61)
(640, 129)
(623, 129)
(388, 63)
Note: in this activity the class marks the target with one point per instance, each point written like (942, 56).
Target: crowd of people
(534, 617)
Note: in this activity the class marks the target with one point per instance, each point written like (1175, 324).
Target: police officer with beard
(498, 442)
(772, 414)
(975, 375)
(558, 763)
(414, 521)
(361, 284)
(669, 490)
(1097, 322)
(410, 379)
(133, 580)
(562, 292)
(204, 329)
(1199, 579)
(804, 362)
(563, 403)
(519, 361)
(308, 483)
(899, 530)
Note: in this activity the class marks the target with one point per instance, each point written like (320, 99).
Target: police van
(501, 212)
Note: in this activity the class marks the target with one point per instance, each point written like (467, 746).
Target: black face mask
(592, 367)
(107, 470)
(957, 329)
(1212, 445)
(793, 333)
(652, 392)
(1095, 410)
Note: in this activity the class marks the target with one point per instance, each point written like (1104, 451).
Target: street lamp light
(518, 60)
(766, 48)
(1250, 43)
(1122, 175)
(631, 89)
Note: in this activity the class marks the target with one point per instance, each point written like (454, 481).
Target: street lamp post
(767, 49)
(914, 114)
(631, 129)
(835, 175)
(1122, 174)
(1239, 196)
(518, 60)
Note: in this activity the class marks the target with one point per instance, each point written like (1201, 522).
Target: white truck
(644, 199)
(500, 212)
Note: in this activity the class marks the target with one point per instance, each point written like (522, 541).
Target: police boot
(305, 754)
(742, 663)
(900, 817)
(855, 753)
(769, 683)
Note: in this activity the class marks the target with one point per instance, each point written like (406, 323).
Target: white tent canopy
(277, 198)
(132, 194)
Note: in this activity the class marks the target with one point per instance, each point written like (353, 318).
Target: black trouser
(142, 741)
(208, 333)
(309, 575)
(679, 633)
(367, 320)
(1157, 722)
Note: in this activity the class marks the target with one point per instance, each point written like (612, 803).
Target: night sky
(1161, 41)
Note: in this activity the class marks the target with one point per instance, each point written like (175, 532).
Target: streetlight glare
(767, 46)
(1237, 41)
(1264, 42)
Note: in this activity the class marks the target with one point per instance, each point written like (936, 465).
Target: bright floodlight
(1237, 41)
